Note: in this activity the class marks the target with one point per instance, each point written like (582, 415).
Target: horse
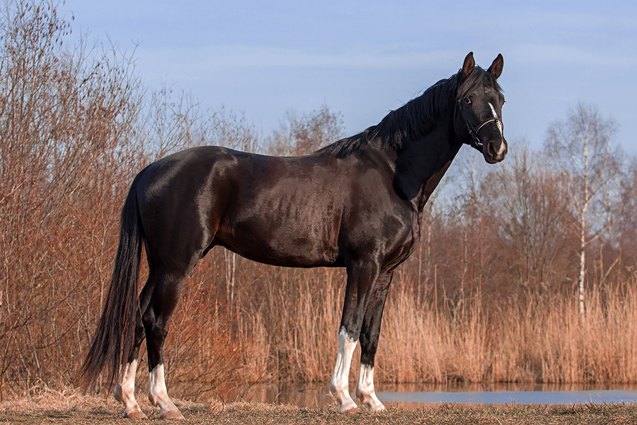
(356, 203)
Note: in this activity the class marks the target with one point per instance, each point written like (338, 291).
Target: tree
(530, 212)
(581, 148)
(625, 219)
(299, 136)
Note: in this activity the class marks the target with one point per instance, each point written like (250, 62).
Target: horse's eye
(467, 100)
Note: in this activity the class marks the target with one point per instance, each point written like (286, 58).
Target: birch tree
(581, 149)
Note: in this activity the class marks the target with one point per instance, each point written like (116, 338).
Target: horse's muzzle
(494, 151)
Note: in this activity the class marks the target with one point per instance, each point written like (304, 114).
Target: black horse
(356, 204)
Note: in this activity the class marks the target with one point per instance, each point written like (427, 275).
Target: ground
(96, 410)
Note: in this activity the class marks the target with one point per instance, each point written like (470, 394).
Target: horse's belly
(292, 219)
(283, 245)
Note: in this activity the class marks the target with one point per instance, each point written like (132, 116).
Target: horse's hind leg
(162, 304)
(125, 388)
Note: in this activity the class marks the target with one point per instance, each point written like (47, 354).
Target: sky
(363, 59)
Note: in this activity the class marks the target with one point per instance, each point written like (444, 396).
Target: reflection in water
(414, 394)
(311, 395)
(515, 397)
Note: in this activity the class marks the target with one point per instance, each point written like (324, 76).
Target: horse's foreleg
(370, 332)
(340, 378)
(360, 279)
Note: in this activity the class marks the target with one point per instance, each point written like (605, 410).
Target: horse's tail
(115, 334)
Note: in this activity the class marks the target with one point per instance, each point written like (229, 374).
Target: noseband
(473, 132)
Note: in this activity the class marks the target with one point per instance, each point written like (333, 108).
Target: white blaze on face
(499, 124)
(340, 377)
(495, 115)
(365, 389)
(157, 392)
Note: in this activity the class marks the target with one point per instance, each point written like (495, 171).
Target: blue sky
(363, 59)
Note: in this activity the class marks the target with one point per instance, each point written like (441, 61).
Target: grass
(72, 408)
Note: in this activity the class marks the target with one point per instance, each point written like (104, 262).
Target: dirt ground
(74, 409)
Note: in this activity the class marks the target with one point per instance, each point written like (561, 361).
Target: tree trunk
(582, 268)
(582, 236)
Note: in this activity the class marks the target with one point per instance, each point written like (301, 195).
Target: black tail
(115, 334)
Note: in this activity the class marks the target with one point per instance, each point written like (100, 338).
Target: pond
(413, 395)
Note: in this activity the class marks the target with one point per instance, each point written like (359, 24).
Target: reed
(544, 340)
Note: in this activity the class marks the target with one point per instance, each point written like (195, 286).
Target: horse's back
(276, 210)
(286, 210)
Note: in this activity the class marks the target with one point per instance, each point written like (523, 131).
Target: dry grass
(542, 341)
(71, 408)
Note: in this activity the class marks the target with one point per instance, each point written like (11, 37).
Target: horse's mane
(415, 118)
(348, 145)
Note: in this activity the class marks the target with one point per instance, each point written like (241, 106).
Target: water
(413, 395)
(513, 397)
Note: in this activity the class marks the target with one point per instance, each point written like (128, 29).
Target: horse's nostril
(491, 149)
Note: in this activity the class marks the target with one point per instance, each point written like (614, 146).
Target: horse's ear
(468, 65)
(496, 67)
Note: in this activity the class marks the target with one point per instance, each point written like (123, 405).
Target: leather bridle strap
(473, 132)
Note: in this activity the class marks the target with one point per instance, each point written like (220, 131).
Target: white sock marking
(125, 389)
(340, 378)
(365, 389)
(157, 392)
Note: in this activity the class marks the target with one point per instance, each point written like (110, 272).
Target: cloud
(224, 57)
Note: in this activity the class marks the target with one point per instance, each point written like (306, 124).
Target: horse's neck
(421, 163)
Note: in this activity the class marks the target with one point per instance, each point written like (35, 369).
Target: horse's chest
(387, 236)
(401, 247)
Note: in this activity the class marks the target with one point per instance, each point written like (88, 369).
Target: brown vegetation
(488, 296)
(72, 408)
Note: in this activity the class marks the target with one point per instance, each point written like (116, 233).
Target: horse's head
(478, 118)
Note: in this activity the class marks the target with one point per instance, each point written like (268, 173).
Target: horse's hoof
(376, 407)
(348, 408)
(171, 415)
(135, 415)
(372, 403)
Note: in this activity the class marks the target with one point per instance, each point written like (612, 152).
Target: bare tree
(66, 119)
(527, 201)
(581, 148)
(233, 131)
(301, 135)
(625, 219)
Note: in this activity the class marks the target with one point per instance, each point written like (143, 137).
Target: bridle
(473, 132)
